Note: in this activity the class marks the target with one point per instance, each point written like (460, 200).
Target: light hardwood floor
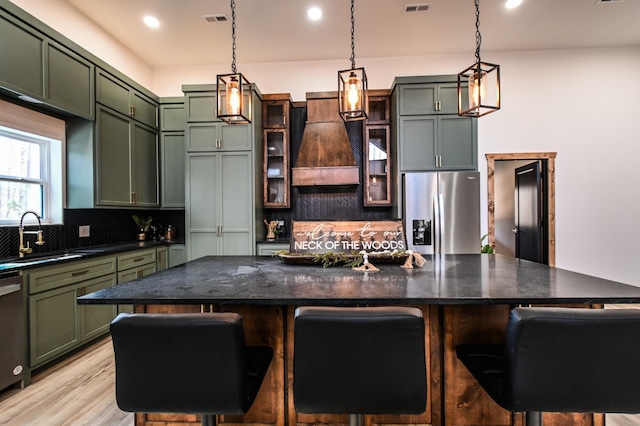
(77, 391)
(80, 391)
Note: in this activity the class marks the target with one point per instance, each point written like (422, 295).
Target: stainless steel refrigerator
(441, 212)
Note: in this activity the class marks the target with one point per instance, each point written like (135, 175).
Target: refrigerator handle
(437, 223)
(442, 224)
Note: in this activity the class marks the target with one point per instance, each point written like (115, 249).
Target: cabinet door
(276, 168)
(22, 63)
(112, 92)
(201, 107)
(113, 178)
(162, 259)
(144, 169)
(448, 98)
(177, 255)
(172, 148)
(236, 203)
(145, 110)
(417, 99)
(202, 205)
(53, 324)
(275, 114)
(457, 143)
(172, 118)
(95, 319)
(377, 170)
(132, 274)
(235, 137)
(203, 137)
(67, 70)
(417, 149)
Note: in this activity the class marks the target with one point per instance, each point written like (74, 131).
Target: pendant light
(483, 81)
(352, 86)
(234, 90)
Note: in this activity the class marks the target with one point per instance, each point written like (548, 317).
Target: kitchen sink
(37, 260)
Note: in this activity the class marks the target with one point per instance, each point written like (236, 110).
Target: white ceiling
(279, 31)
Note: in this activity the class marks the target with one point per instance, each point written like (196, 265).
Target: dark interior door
(529, 205)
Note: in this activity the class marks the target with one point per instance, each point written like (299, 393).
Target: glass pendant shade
(479, 90)
(234, 98)
(352, 94)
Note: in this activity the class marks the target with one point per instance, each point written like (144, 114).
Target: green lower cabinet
(177, 254)
(53, 324)
(95, 320)
(130, 275)
(162, 259)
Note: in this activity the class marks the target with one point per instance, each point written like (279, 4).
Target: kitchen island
(464, 298)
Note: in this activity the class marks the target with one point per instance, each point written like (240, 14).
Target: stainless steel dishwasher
(12, 329)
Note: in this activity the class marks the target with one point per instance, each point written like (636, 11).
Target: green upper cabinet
(427, 133)
(218, 136)
(432, 143)
(22, 53)
(35, 66)
(126, 161)
(67, 70)
(431, 98)
(172, 152)
(172, 115)
(121, 97)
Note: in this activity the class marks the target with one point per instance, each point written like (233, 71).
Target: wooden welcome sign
(347, 236)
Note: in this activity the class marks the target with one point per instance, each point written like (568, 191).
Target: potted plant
(143, 226)
(485, 248)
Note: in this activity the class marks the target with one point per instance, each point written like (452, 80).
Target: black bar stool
(186, 363)
(562, 360)
(359, 361)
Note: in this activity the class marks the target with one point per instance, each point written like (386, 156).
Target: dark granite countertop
(445, 279)
(14, 264)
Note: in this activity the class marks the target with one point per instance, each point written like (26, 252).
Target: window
(30, 165)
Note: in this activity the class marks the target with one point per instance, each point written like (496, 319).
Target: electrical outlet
(84, 231)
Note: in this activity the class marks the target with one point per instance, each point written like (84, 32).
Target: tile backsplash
(106, 226)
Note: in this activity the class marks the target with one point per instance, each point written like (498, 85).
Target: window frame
(22, 123)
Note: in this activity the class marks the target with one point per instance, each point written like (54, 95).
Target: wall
(578, 103)
(64, 18)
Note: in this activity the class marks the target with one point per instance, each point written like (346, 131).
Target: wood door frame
(551, 194)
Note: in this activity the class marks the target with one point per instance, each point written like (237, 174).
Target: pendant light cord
(353, 43)
(478, 36)
(233, 36)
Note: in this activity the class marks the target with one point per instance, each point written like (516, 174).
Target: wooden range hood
(325, 156)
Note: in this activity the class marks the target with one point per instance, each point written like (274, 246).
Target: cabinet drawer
(136, 258)
(48, 278)
(268, 249)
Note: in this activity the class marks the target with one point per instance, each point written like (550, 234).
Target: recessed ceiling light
(151, 21)
(512, 4)
(314, 13)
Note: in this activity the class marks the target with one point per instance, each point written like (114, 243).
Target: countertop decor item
(143, 226)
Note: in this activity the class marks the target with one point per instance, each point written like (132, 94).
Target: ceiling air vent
(422, 7)
(215, 18)
(608, 1)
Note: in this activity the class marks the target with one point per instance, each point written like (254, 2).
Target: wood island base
(453, 398)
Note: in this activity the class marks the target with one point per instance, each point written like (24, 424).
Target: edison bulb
(353, 93)
(477, 88)
(233, 97)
